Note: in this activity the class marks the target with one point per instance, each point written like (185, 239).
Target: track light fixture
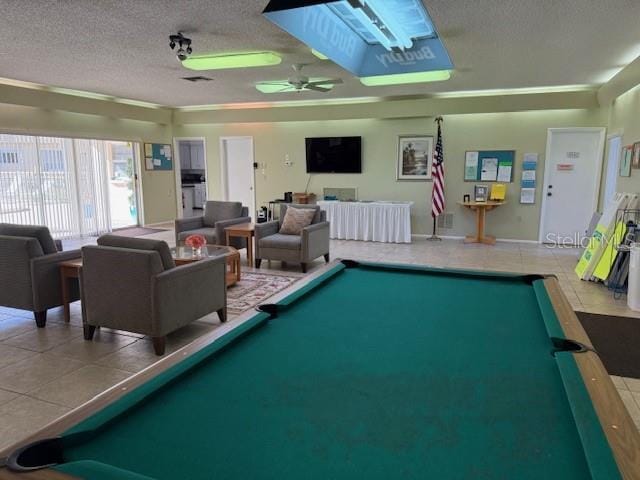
(183, 43)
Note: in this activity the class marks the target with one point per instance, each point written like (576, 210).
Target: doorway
(238, 177)
(572, 175)
(191, 175)
(613, 166)
(123, 184)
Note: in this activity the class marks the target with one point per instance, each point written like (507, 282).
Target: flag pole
(434, 235)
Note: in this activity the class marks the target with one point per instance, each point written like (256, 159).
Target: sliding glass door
(73, 186)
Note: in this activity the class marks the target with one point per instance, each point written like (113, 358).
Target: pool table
(362, 370)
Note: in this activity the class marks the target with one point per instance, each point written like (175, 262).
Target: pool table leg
(222, 314)
(159, 344)
(304, 267)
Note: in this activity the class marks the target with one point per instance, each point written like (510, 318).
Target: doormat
(616, 340)
(253, 289)
(137, 231)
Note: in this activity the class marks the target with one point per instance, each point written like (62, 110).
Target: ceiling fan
(298, 83)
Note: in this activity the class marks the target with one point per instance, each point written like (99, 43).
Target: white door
(238, 180)
(613, 165)
(571, 183)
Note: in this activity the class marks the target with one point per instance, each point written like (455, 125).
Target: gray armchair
(304, 248)
(217, 216)
(29, 272)
(133, 284)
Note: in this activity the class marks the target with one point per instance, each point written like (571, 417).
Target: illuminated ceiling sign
(365, 37)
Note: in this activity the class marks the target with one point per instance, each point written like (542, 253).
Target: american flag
(437, 173)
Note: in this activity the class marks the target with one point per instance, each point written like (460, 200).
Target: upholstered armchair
(217, 216)
(29, 272)
(133, 284)
(312, 243)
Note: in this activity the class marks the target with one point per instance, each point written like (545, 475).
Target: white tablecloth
(369, 221)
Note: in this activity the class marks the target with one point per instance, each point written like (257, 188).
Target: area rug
(617, 341)
(137, 231)
(255, 288)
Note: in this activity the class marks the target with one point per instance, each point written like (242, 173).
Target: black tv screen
(334, 155)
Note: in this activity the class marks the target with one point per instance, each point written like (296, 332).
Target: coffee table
(183, 255)
(243, 230)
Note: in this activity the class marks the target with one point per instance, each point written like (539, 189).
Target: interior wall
(158, 187)
(521, 131)
(624, 118)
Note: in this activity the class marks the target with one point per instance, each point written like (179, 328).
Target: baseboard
(459, 237)
(157, 224)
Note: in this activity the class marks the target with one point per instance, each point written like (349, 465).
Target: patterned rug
(253, 289)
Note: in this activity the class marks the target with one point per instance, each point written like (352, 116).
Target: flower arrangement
(196, 242)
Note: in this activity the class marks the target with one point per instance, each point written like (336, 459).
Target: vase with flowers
(196, 242)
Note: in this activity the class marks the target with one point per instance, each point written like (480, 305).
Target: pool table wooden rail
(618, 426)
(616, 422)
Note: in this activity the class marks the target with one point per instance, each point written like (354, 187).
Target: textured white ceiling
(120, 48)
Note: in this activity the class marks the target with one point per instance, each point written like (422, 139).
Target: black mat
(136, 231)
(617, 341)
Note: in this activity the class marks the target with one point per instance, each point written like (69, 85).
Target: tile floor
(44, 373)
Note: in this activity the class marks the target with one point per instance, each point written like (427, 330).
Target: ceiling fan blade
(332, 81)
(315, 88)
(284, 83)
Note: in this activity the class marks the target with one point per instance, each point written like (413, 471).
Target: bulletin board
(158, 156)
(489, 166)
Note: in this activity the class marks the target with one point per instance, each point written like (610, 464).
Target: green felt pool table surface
(370, 372)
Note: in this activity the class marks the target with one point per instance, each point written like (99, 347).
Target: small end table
(481, 208)
(243, 230)
(68, 269)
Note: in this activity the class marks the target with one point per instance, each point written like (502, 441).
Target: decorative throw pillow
(296, 219)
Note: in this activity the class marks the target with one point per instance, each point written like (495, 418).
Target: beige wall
(624, 117)
(520, 131)
(159, 195)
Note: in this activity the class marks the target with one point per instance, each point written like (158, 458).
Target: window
(59, 182)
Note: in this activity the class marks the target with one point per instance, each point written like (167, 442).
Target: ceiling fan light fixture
(406, 78)
(282, 86)
(235, 60)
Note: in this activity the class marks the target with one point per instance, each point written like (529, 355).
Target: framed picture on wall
(636, 155)
(625, 161)
(415, 154)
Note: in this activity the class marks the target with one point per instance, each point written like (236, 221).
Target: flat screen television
(334, 155)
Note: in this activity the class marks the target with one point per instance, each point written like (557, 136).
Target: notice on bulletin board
(471, 166)
(489, 170)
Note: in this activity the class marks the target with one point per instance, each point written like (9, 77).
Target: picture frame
(625, 161)
(636, 155)
(480, 193)
(415, 157)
